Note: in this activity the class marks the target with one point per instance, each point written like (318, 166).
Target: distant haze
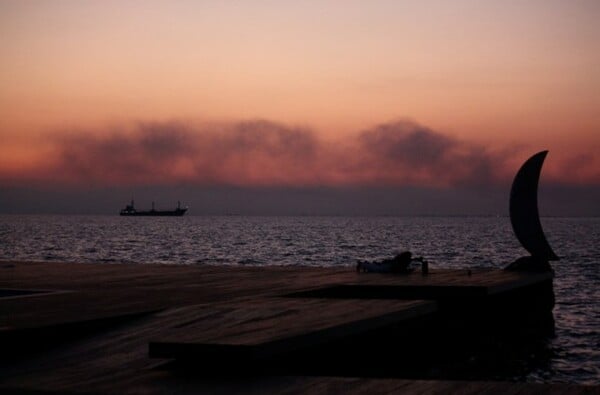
(403, 201)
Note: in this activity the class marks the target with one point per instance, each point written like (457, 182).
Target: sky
(298, 107)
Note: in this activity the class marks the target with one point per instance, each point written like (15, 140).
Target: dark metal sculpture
(524, 215)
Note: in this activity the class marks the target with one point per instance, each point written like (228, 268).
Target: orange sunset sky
(297, 93)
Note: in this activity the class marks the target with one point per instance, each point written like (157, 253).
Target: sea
(573, 350)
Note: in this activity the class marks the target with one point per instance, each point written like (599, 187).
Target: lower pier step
(266, 328)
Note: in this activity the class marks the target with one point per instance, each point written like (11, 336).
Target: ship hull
(155, 213)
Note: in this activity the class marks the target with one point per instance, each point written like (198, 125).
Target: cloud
(165, 141)
(581, 168)
(406, 152)
(255, 152)
(251, 152)
(262, 153)
(407, 144)
(151, 151)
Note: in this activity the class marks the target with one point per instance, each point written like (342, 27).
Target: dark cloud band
(265, 153)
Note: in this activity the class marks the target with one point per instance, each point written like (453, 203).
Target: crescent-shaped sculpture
(524, 215)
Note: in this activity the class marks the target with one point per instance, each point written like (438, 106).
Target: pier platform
(115, 328)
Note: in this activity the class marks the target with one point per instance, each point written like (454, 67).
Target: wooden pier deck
(264, 328)
(79, 328)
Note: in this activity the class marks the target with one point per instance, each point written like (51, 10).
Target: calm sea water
(339, 241)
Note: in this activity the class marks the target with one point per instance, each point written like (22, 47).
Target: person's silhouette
(398, 264)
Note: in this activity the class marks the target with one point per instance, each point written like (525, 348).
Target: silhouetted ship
(130, 210)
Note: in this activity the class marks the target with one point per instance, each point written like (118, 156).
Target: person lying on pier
(398, 264)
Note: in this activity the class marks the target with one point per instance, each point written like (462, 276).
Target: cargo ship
(130, 210)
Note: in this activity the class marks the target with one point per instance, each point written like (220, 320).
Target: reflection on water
(571, 355)
(316, 241)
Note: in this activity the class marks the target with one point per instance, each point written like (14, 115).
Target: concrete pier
(80, 328)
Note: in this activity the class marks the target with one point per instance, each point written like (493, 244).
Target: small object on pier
(424, 267)
(469, 272)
